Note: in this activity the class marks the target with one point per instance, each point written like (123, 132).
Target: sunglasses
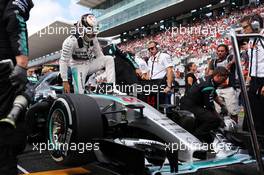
(151, 48)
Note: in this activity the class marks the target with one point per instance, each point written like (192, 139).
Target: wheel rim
(57, 134)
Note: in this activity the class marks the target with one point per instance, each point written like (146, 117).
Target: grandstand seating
(193, 43)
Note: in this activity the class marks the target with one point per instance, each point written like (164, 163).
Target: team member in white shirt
(160, 65)
(254, 24)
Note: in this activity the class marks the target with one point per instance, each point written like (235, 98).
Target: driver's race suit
(84, 60)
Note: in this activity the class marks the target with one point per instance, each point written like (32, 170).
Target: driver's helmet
(88, 27)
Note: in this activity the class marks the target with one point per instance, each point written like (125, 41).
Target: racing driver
(82, 53)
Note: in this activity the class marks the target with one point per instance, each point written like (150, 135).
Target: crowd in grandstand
(197, 39)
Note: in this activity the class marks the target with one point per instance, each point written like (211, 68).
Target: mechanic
(228, 93)
(200, 101)
(254, 24)
(14, 46)
(82, 53)
(160, 66)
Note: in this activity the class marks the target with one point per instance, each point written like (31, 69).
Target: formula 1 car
(122, 131)
(125, 132)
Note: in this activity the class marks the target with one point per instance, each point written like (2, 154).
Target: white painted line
(22, 169)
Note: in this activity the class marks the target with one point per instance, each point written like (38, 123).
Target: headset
(256, 22)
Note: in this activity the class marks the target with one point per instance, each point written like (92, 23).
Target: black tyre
(73, 122)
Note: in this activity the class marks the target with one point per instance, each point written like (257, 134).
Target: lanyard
(153, 61)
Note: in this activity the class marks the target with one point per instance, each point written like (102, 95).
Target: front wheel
(74, 121)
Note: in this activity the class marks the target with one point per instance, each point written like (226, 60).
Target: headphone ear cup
(157, 45)
(255, 25)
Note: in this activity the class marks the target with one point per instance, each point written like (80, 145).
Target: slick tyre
(74, 121)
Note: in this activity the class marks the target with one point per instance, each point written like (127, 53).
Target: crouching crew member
(200, 101)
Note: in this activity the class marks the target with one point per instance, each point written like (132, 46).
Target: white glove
(230, 124)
